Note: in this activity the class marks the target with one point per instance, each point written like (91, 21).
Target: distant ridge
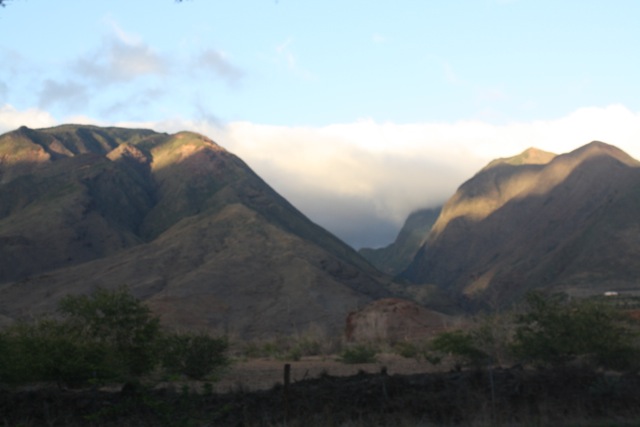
(394, 258)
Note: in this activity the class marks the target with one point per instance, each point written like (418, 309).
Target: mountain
(397, 256)
(185, 224)
(567, 223)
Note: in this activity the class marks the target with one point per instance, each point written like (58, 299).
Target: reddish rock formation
(394, 320)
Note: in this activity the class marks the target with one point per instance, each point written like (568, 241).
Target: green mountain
(566, 223)
(188, 226)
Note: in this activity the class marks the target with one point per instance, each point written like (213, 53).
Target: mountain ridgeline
(208, 245)
(186, 225)
(567, 223)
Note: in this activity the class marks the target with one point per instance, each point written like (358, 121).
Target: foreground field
(498, 397)
(265, 373)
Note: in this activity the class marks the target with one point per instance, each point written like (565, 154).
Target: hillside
(566, 223)
(188, 226)
(397, 256)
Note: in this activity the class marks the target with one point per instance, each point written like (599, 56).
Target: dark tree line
(106, 337)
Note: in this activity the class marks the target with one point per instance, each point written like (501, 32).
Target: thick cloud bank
(362, 180)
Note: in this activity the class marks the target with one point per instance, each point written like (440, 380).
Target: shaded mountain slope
(572, 224)
(184, 223)
(396, 257)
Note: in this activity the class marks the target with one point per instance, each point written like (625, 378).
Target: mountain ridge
(188, 226)
(511, 228)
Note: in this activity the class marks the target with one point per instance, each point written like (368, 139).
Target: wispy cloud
(218, 63)
(136, 104)
(122, 76)
(71, 94)
(285, 54)
(449, 73)
(121, 58)
(4, 90)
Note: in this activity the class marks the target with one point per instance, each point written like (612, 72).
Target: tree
(49, 350)
(461, 345)
(107, 336)
(120, 321)
(555, 331)
(194, 355)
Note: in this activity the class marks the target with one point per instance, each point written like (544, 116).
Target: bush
(461, 346)
(357, 354)
(416, 350)
(194, 355)
(120, 321)
(108, 336)
(555, 331)
(51, 351)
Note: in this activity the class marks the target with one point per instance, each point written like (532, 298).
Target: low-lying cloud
(361, 180)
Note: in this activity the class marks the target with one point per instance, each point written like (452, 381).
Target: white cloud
(11, 118)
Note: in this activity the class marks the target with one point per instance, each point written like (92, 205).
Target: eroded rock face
(393, 320)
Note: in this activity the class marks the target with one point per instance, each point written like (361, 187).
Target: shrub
(120, 321)
(408, 349)
(461, 346)
(49, 350)
(555, 331)
(416, 350)
(194, 355)
(360, 353)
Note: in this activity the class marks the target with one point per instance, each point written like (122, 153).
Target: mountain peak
(599, 148)
(530, 156)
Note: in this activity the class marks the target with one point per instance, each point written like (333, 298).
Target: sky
(357, 111)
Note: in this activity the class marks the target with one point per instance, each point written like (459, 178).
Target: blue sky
(357, 111)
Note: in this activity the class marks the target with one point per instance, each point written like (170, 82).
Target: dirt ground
(263, 374)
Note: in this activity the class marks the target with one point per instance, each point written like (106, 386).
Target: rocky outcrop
(393, 320)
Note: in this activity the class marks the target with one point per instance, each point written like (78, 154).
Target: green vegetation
(194, 355)
(550, 331)
(118, 322)
(106, 337)
(359, 353)
(554, 331)
(94, 340)
(461, 345)
(311, 343)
